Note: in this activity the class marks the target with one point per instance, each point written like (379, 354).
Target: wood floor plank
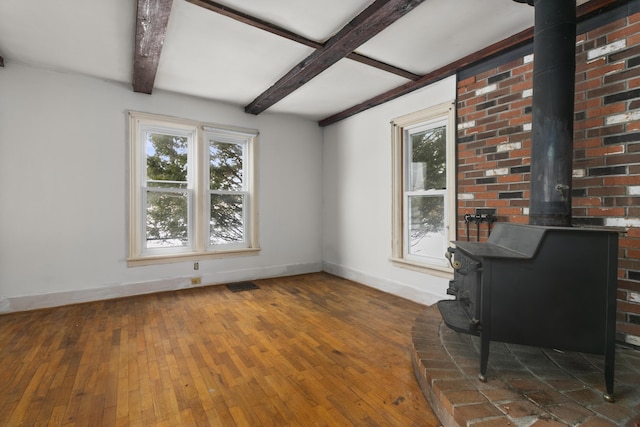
(310, 350)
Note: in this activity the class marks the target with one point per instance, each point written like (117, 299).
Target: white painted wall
(63, 191)
(357, 198)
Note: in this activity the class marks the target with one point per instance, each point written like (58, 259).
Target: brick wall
(494, 143)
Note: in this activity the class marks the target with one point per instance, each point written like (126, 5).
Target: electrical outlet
(196, 280)
(196, 266)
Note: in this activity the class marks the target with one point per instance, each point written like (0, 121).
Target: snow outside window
(423, 199)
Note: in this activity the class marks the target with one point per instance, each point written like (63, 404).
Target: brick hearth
(527, 386)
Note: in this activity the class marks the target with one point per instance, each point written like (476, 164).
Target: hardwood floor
(299, 351)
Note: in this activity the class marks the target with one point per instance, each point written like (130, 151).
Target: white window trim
(199, 250)
(398, 127)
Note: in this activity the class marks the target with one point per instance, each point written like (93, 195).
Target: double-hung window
(423, 187)
(192, 190)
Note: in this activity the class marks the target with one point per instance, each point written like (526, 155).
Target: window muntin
(423, 188)
(192, 190)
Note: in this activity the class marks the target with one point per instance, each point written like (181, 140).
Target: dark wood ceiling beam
(152, 18)
(383, 66)
(282, 32)
(375, 18)
(583, 11)
(594, 7)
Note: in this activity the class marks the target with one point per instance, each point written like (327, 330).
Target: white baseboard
(419, 295)
(57, 299)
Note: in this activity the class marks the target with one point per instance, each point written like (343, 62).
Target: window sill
(434, 270)
(189, 256)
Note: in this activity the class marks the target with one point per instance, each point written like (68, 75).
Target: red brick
(467, 81)
(524, 102)
(462, 112)
(587, 143)
(628, 285)
(511, 81)
(476, 100)
(633, 232)
(498, 125)
(633, 18)
(499, 93)
(523, 69)
(466, 153)
(629, 264)
(624, 32)
(464, 413)
(510, 114)
(609, 69)
(587, 124)
(623, 159)
(486, 196)
(500, 203)
(606, 90)
(520, 120)
(603, 151)
(513, 64)
(589, 162)
(510, 178)
(622, 180)
(606, 212)
(606, 130)
(585, 66)
(633, 83)
(522, 153)
(607, 110)
(486, 74)
(458, 397)
(623, 75)
(586, 201)
(588, 104)
(588, 84)
(608, 28)
(629, 243)
(628, 328)
(606, 191)
(511, 211)
(519, 219)
(628, 307)
(521, 86)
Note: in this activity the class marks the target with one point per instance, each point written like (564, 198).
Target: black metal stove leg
(609, 365)
(484, 357)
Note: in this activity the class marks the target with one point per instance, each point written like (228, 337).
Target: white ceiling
(212, 56)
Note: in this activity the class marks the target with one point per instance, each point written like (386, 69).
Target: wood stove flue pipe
(554, 68)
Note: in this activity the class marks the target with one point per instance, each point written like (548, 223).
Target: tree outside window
(191, 189)
(423, 182)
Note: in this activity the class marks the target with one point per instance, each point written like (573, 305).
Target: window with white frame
(423, 187)
(192, 191)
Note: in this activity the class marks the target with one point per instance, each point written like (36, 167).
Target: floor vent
(242, 286)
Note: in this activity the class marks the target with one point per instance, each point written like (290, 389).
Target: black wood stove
(545, 284)
(552, 287)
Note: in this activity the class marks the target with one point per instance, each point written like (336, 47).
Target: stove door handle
(454, 264)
